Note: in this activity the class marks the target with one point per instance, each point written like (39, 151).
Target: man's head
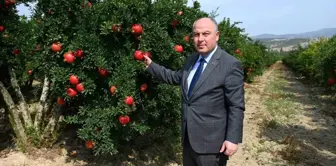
(205, 35)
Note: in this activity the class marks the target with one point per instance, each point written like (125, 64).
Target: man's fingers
(230, 148)
(222, 149)
(147, 60)
(227, 152)
(146, 57)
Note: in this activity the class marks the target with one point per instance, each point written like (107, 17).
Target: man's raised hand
(147, 61)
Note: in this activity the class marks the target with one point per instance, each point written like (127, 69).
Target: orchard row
(317, 62)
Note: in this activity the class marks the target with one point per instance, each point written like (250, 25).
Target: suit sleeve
(166, 75)
(234, 94)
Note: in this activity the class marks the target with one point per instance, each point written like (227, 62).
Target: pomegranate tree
(317, 62)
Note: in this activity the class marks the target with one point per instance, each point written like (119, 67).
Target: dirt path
(246, 154)
(286, 123)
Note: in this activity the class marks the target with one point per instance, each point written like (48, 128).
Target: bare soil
(286, 123)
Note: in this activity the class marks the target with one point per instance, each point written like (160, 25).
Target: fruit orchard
(316, 62)
(80, 62)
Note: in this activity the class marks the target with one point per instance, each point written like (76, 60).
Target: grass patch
(279, 104)
(281, 109)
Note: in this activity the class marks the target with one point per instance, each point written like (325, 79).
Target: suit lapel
(209, 68)
(186, 74)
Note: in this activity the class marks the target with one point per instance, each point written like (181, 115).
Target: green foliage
(103, 32)
(316, 62)
(252, 54)
(16, 46)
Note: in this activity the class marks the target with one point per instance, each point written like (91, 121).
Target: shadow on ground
(139, 152)
(324, 100)
(304, 146)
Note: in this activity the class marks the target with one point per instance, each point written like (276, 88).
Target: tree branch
(43, 98)
(22, 103)
(58, 125)
(14, 114)
(47, 109)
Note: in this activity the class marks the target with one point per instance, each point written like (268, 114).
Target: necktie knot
(202, 60)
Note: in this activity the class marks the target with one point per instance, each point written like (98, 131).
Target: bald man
(212, 85)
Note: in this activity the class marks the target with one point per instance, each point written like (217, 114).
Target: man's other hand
(229, 148)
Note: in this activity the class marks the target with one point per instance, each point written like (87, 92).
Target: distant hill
(287, 44)
(326, 32)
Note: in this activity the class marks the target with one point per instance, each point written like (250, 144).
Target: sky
(269, 16)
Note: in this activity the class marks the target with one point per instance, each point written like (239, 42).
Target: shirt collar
(208, 57)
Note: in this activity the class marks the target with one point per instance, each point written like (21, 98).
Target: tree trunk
(23, 126)
(53, 121)
(13, 115)
(4, 127)
(22, 102)
(42, 106)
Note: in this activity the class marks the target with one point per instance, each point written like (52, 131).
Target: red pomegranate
(137, 29)
(138, 55)
(178, 48)
(71, 92)
(89, 144)
(60, 101)
(80, 87)
(73, 79)
(69, 57)
(143, 87)
(56, 47)
(124, 119)
(129, 100)
(113, 90)
(331, 81)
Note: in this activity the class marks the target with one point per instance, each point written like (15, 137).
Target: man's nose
(201, 38)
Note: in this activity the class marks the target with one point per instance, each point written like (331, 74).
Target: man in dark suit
(213, 103)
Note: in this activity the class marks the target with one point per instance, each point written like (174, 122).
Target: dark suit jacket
(215, 110)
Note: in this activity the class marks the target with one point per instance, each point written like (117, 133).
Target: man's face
(204, 35)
